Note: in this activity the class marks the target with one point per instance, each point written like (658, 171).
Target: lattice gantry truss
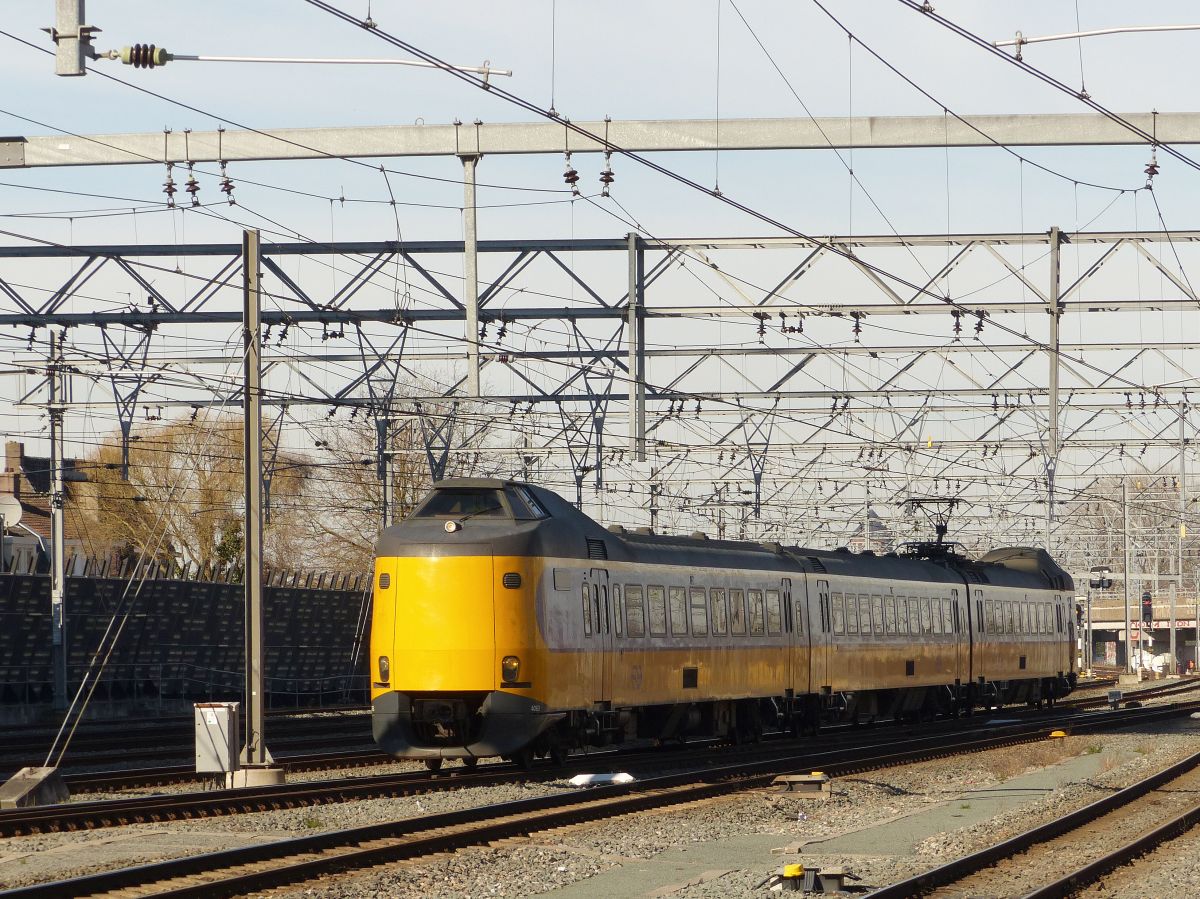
(767, 388)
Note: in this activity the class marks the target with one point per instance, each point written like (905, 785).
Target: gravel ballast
(697, 833)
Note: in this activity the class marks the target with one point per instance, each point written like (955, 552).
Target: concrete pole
(58, 562)
(254, 753)
(1087, 648)
(1174, 663)
(471, 273)
(387, 471)
(1052, 399)
(72, 38)
(635, 327)
(866, 522)
(1128, 572)
(1183, 495)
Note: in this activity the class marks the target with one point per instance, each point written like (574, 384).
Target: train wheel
(470, 761)
(523, 759)
(433, 764)
(558, 754)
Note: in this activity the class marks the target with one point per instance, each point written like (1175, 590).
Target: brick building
(27, 480)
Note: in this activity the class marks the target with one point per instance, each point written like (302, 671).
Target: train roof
(539, 521)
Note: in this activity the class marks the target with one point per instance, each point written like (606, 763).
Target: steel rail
(1095, 870)
(960, 868)
(114, 813)
(274, 864)
(1166, 689)
(176, 729)
(100, 781)
(106, 748)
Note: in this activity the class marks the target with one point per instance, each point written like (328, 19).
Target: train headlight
(385, 669)
(510, 669)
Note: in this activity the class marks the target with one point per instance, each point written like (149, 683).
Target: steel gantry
(760, 386)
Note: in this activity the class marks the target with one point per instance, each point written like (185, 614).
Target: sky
(625, 61)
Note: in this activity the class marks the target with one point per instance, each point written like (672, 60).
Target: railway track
(1041, 863)
(173, 741)
(1167, 688)
(179, 806)
(261, 866)
(109, 733)
(110, 781)
(359, 756)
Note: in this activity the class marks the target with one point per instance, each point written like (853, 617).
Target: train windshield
(458, 503)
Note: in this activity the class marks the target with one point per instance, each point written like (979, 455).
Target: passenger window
(587, 610)
(656, 598)
(991, 616)
(720, 616)
(877, 614)
(947, 618)
(773, 612)
(839, 615)
(678, 611)
(617, 616)
(1012, 614)
(926, 623)
(901, 615)
(889, 614)
(699, 612)
(635, 624)
(935, 614)
(756, 612)
(737, 611)
(864, 613)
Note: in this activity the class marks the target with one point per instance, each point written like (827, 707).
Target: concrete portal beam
(650, 136)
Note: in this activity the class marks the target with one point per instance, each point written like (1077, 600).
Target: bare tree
(344, 492)
(183, 498)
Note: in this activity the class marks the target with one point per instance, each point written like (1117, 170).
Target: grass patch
(1009, 763)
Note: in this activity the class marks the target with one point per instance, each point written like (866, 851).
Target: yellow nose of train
(453, 635)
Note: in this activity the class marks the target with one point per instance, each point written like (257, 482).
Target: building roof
(28, 479)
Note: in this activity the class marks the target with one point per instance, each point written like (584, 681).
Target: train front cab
(454, 655)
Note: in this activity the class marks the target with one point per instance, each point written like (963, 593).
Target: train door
(602, 639)
(796, 626)
(820, 640)
(805, 638)
(975, 635)
(960, 630)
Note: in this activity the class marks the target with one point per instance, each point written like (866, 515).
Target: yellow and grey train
(508, 623)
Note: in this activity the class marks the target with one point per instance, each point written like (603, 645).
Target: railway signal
(1147, 608)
